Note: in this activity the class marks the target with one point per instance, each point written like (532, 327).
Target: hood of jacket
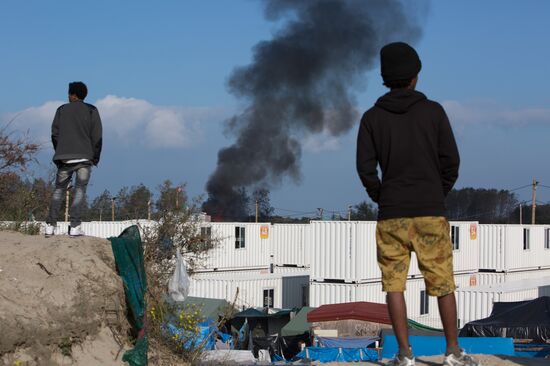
(399, 100)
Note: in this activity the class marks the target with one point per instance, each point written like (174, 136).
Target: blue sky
(158, 71)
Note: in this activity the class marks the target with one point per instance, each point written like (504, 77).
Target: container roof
(511, 286)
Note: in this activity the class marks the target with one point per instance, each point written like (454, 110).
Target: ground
(61, 302)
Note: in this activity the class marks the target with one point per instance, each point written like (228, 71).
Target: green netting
(138, 355)
(128, 253)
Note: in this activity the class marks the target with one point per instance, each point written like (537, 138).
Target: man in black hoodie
(77, 141)
(410, 138)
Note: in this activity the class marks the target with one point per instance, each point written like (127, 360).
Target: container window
(424, 302)
(305, 295)
(526, 244)
(546, 238)
(239, 237)
(455, 237)
(268, 298)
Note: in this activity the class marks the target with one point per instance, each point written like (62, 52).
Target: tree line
(24, 199)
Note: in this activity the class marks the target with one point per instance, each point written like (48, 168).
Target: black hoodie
(412, 140)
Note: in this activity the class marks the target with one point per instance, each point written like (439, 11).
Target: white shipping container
(101, 229)
(346, 250)
(239, 246)
(304, 271)
(228, 274)
(475, 303)
(491, 278)
(466, 246)
(253, 290)
(343, 250)
(289, 244)
(514, 247)
(419, 308)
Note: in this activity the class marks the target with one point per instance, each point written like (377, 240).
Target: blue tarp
(532, 350)
(431, 346)
(338, 354)
(342, 342)
(205, 337)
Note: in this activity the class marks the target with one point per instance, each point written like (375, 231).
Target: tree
(121, 204)
(364, 211)
(41, 194)
(100, 208)
(265, 210)
(15, 152)
(138, 202)
(479, 204)
(171, 198)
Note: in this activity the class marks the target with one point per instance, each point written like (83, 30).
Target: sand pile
(61, 301)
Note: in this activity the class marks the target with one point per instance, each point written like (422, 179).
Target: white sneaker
(76, 231)
(49, 231)
(405, 361)
(463, 360)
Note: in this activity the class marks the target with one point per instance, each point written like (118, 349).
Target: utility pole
(349, 212)
(320, 213)
(113, 208)
(149, 209)
(257, 210)
(534, 203)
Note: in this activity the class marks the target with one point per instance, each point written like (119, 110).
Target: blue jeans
(62, 181)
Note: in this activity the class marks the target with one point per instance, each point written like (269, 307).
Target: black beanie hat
(399, 61)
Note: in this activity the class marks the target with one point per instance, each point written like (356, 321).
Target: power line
(518, 188)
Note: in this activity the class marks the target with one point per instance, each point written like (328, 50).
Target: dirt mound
(61, 301)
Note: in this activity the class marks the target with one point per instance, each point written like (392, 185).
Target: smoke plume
(301, 82)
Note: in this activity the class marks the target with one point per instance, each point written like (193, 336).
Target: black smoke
(301, 82)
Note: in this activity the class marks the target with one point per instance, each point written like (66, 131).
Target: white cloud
(491, 113)
(128, 120)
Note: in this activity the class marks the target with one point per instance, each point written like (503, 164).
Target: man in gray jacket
(77, 141)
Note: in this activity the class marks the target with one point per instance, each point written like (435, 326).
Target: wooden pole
(256, 210)
(113, 209)
(534, 203)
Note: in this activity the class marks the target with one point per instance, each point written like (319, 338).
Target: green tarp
(209, 308)
(297, 325)
(415, 325)
(128, 253)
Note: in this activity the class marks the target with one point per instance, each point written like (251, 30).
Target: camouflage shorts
(429, 238)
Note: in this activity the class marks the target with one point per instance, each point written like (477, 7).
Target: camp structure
(354, 319)
(262, 329)
(213, 309)
(298, 325)
(521, 320)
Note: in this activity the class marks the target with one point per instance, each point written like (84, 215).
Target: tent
(271, 323)
(361, 310)
(210, 308)
(520, 320)
(299, 324)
